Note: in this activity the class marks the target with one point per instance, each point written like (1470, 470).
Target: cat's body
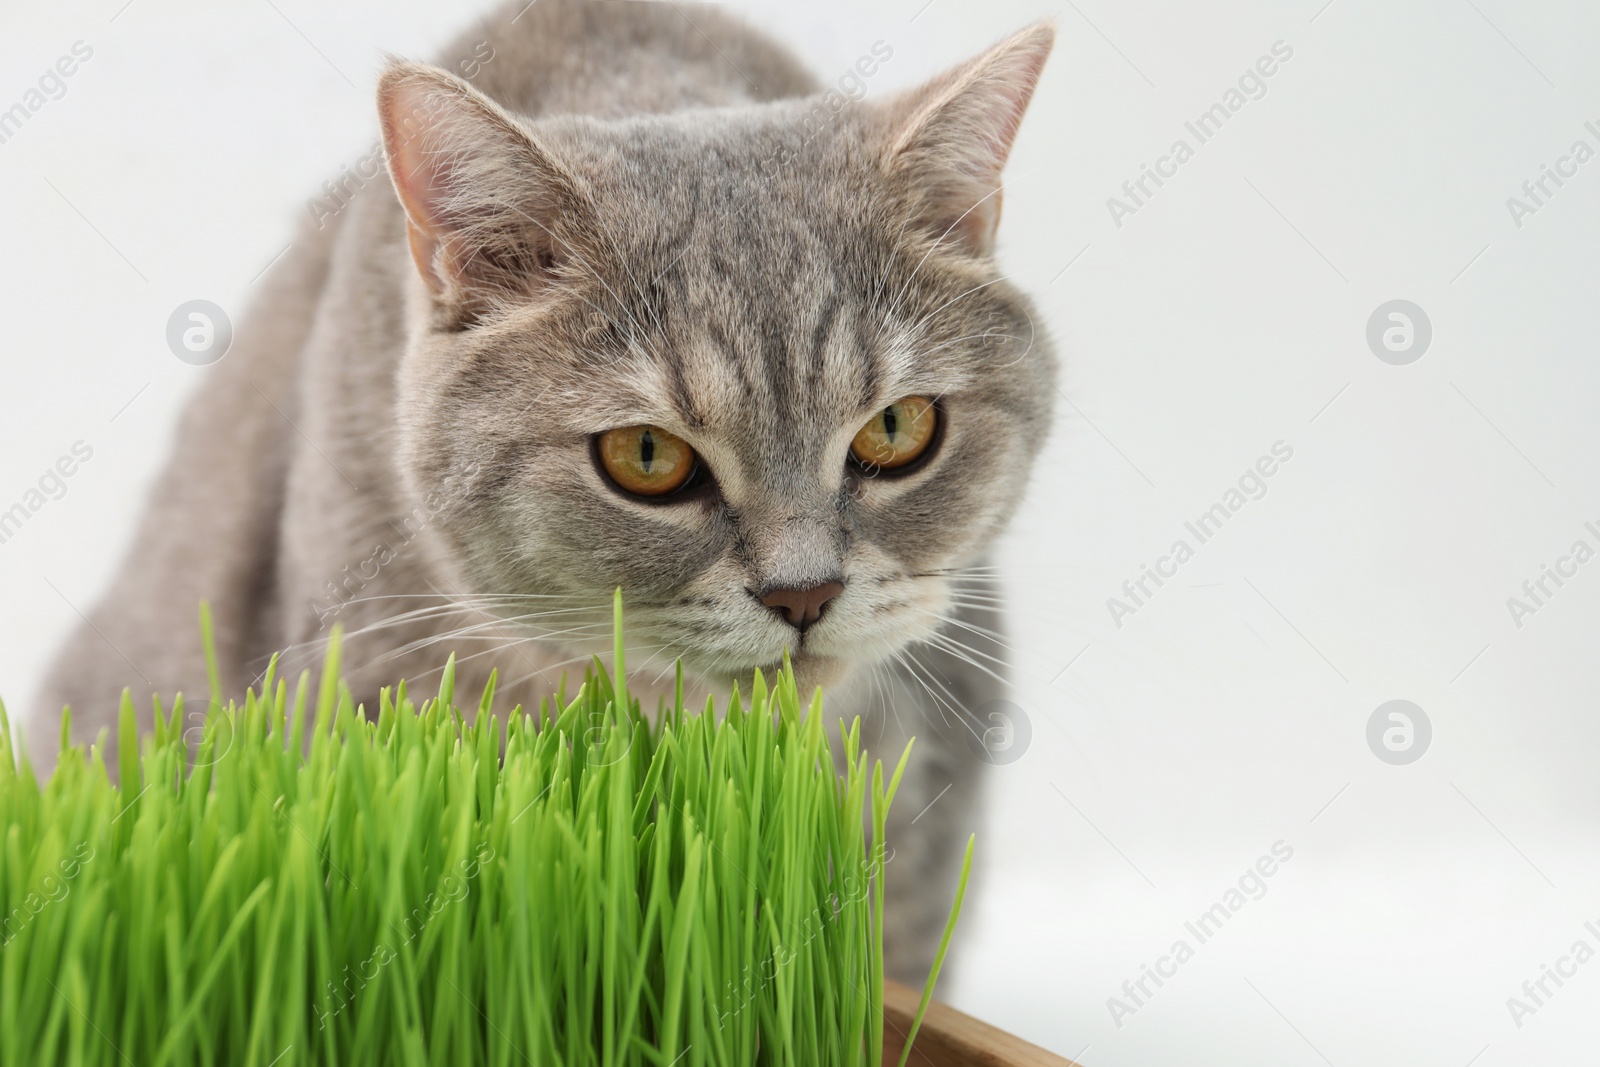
(400, 447)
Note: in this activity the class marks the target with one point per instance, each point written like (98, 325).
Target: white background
(1229, 313)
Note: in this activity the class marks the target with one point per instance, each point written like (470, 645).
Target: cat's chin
(811, 670)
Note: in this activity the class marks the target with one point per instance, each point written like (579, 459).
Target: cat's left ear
(949, 139)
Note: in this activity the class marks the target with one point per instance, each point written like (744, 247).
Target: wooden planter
(950, 1039)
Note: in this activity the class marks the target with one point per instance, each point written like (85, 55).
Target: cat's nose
(801, 607)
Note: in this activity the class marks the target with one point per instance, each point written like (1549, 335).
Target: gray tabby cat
(644, 308)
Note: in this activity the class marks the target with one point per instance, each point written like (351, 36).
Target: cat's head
(755, 365)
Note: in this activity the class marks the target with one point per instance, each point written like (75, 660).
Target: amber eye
(897, 435)
(646, 460)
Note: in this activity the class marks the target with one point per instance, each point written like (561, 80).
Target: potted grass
(295, 880)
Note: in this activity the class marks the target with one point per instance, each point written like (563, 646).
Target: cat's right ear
(485, 206)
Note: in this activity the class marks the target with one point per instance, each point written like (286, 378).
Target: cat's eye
(646, 460)
(897, 436)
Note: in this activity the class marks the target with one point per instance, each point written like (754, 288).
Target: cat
(639, 305)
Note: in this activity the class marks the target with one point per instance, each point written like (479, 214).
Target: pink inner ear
(956, 146)
(408, 111)
(482, 199)
(424, 250)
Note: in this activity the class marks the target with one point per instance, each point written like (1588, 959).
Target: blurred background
(1165, 739)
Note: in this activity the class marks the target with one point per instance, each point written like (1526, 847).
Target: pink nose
(801, 608)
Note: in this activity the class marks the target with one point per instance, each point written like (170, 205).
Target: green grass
(581, 886)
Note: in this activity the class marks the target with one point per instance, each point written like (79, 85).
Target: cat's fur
(667, 223)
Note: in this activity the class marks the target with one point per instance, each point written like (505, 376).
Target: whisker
(997, 638)
(918, 670)
(905, 289)
(964, 652)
